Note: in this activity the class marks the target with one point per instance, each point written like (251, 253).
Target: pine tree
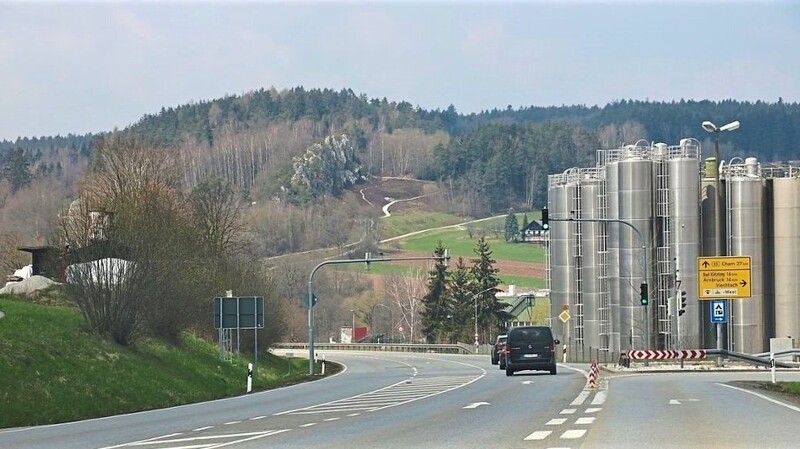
(436, 306)
(459, 288)
(491, 311)
(512, 228)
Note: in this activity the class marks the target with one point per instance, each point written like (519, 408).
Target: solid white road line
(774, 401)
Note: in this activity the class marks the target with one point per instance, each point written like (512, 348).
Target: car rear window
(531, 335)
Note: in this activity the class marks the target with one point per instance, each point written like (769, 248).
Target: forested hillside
(262, 143)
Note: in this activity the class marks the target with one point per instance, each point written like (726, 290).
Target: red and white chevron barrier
(594, 376)
(656, 354)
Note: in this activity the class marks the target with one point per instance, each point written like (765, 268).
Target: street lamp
(353, 328)
(712, 128)
(391, 321)
(475, 301)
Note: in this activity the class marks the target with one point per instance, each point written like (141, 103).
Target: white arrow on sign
(476, 404)
(719, 310)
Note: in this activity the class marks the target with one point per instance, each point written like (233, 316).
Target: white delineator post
(249, 377)
(772, 364)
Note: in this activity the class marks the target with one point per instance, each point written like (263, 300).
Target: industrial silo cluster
(643, 215)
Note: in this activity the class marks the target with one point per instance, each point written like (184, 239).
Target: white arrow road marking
(678, 401)
(476, 404)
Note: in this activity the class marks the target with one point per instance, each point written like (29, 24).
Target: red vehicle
(499, 346)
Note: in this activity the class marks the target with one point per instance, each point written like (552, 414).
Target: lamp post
(475, 301)
(391, 321)
(712, 128)
(353, 328)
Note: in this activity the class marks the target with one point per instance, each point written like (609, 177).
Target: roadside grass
(791, 387)
(54, 370)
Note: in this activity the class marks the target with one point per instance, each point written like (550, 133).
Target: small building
(534, 233)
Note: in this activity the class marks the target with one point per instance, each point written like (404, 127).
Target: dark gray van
(530, 348)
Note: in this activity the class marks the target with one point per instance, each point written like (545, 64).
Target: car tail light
(507, 348)
(552, 346)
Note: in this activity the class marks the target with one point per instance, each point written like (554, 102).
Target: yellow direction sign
(723, 277)
(564, 316)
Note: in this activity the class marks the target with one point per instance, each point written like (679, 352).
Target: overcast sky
(77, 67)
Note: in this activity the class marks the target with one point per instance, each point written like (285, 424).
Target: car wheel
(494, 361)
(509, 372)
(502, 365)
(553, 370)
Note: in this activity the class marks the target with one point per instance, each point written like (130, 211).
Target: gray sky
(89, 67)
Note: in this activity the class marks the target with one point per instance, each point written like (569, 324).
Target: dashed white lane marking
(581, 398)
(573, 434)
(353, 414)
(538, 435)
(232, 422)
(202, 428)
(568, 411)
(674, 402)
(308, 424)
(332, 419)
(556, 421)
(256, 418)
(593, 409)
(585, 420)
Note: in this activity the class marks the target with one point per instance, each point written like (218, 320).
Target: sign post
(722, 277)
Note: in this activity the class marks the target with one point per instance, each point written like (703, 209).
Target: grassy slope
(48, 360)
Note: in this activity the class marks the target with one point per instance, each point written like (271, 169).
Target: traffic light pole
(645, 295)
(366, 260)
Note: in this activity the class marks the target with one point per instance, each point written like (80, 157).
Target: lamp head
(710, 127)
(730, 126)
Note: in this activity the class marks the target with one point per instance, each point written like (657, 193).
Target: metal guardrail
(755, 359)
(386, 347)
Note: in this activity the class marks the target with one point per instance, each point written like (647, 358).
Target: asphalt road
(400, 400)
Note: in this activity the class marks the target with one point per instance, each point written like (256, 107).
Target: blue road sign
(719, 311)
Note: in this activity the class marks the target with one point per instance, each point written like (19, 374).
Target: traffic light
(545, 219)
(643, 293)
(682, 299)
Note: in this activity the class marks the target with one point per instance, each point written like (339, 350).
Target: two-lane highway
(400, 400)
(380, 400)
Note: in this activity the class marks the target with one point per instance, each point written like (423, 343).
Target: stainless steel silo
(745, 205)
(709, 236)
(613, 336)
(560, 196)
(684, 224)
(786, 241)
(591, 269)
(635, 202)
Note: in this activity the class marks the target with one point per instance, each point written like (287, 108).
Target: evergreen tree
(491, 311)
(512, 228)
(436, 306)
(16, 168)
(525, 221)
(460, 290)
